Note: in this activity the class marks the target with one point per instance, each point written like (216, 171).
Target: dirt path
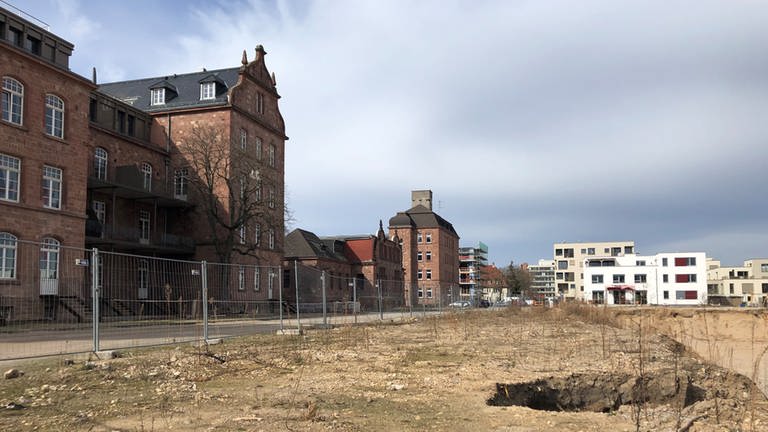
(437, 373)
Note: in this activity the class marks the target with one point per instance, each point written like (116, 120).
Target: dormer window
(207, 90)
(158, 96)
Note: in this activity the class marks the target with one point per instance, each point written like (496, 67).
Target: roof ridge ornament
(244, 61)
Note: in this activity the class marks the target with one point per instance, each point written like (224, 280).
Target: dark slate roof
(421, 217)
(185, 90)
(304, 244)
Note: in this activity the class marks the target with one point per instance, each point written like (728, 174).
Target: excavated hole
(598, 392)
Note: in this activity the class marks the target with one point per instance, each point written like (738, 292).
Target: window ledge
(16, 125)
(57, 139)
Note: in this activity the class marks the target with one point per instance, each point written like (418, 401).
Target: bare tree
(518, 280)
(229, 187)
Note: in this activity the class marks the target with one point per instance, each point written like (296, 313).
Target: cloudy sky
(532, 122)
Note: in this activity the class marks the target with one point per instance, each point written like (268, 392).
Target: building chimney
(423, 197)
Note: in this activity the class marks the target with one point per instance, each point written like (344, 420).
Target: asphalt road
(44, 340)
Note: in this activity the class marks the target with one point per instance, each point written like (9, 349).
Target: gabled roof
(421, 217)
(186, 87)
(304, 244)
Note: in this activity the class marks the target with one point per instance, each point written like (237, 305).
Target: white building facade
(662, 279)
(569, 264)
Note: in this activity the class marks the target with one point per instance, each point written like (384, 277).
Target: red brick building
(363, 268)
(430, 247)
(111, 167)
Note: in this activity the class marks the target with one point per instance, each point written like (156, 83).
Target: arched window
(180, 183)
(12, 101)
(100, 157)
(7, 255)
(49, 258)
(146, 172)
(54, 116)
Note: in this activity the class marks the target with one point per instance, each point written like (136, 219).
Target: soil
(573, 368)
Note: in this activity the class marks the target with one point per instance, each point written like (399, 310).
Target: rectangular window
(257, 234)
(271, 198)
(764, 267)
(241, 278)
(257, 279)
(271, 238)
(663, 262)
(685, 261)
(559, 275)
(558, 252)
(765, 288)
(665, 278)
(54, 116)
(640, 263)
(418, 237)
(429, 274)
(641, 278)
(257, 150)
(241, 234)
(429, 292)
(144, 226)
(685, 278)
(562, 265)
(666, 295)
(429, 237)
(207, 90)
(419, 274)
(618, 278)
(9, 178)
(418, 256)
(259, 103)
(428, 255)
(590, 251)
(584, 251)
(568, 253)
(243, 139)
(731, 289)
(616, 251)
(627, 249)
(271, 155)
(180, 183)
(270, 280)
(597, 279)
(51, 187)
(686, 295)
(157, 96)
(421, 293)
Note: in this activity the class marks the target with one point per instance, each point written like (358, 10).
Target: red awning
(620, 288)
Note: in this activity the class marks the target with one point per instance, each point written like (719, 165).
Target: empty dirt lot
(567, 369)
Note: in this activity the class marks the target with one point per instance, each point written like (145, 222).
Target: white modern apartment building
(663, 279)
(569, 263)
(543, 278)
(747, 284)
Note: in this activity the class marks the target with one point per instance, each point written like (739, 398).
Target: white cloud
(556, 120)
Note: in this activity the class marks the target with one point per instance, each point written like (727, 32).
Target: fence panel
(243, 299)
(148, 301)
(44, 300)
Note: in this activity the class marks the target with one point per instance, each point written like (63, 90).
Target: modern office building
(746, 284)
(661, 279)
(569, 263)
(472, 261)
(543, 279)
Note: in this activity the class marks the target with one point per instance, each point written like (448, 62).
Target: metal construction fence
(58, 300)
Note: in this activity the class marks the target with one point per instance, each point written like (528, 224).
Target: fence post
(296, 278)
(381, 310)
(325, 316)
(204, 292)
(354, 297)
(280, 295)
(95, 297)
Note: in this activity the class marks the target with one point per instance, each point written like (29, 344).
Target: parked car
(460, 305)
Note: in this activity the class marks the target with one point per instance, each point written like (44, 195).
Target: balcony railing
(134, 235)
(128, 182)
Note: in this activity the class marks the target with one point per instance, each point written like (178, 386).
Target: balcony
(127, 182)
(127, 238)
